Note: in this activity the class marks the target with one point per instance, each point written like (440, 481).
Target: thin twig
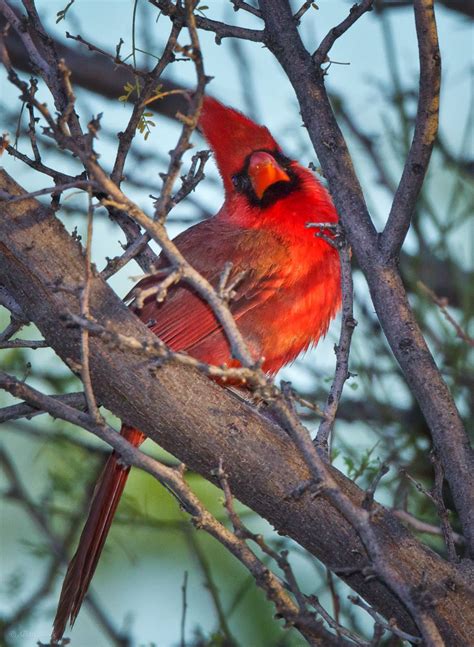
(302, 10)
(24, 343)
(52, 190)
(389, 626)
(58, 545)
(348, 323)
(245, 6)
(220, 29)
(442, 304)
(184, 590)
(423, 526)
(443, 514)
(85, 313)
(320, 56)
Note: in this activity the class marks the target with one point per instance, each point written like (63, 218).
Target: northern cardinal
(289, 292)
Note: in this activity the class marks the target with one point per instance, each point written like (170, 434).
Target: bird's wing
(184, 319)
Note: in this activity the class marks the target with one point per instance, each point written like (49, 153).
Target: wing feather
(184, 320)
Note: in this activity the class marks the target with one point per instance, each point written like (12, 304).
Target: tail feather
(105, 500)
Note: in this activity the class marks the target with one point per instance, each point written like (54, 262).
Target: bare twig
(37, 165)
(360, 519)
(221, 30)
(368, 501)
(304, 615)
(320, 56)
(184, 590)
(52, 190)
(144, 96)
(18, 493)
(85, 313)
(19, 319)
(443, 514)
(389, 626)
(348, 323)
(422, 526)
(210, 584)
(426, 128)
(162, 353)
(442, 304)
(24, 343)
(245, 6)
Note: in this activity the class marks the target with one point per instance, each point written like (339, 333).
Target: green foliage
(146, 124)
(363, 465)
(129, 89)
(202, 8)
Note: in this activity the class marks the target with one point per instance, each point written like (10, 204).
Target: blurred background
(48, 469)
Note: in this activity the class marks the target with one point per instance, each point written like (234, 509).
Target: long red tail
(106, 498)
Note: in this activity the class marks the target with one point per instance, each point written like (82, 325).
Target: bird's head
(254, 169)
(248, 158)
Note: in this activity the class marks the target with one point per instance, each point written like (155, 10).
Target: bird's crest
(232, 137)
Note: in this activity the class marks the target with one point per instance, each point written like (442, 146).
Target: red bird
(289, 293)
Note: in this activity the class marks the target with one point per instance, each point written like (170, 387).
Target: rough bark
(385, 284)
(200, 422)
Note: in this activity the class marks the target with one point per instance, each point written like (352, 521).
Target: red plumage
(284, 303)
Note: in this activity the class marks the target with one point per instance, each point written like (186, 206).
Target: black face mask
(274, 192)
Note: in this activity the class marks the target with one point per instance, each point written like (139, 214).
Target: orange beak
(264, 171)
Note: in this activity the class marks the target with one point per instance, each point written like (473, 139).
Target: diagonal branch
(426, 129)
(386, 287)
(220, 29)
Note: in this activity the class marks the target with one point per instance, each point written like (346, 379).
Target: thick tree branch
(388, 293)
(200, 423)
(173, 479)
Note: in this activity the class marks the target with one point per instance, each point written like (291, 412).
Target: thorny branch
(348, 323)
(220, 29)
(360, 519)
(387, 291)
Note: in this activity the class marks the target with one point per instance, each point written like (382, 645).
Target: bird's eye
(235, 181)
